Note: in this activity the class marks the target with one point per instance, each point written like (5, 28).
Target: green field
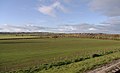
(8, 36)
(31, 54)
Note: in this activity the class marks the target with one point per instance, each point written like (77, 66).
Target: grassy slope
(16, 54)
(82, 66)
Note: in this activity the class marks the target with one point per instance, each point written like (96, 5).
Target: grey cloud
(109, 8)
(112, 21)
(113, 24)
(1, 29)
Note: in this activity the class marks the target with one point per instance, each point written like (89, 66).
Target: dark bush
(67, 62)
(78, 59)
(96, 55)
(60, 63)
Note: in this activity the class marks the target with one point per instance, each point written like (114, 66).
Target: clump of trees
(89, 35)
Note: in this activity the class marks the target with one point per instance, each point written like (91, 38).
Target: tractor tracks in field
(112, 67)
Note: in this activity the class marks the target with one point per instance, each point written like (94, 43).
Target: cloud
(112, 21)
(47, 10)
(25, 28)
(84, 27)
(51, 9)
(113, 24)
(90, 28)
(110, 8)
(111, 27)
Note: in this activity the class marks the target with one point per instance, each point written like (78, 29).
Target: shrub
(78, 59)
(96, 55)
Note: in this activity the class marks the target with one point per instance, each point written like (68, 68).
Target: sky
(66, 16)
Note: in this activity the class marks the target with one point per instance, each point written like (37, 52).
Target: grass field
(8, 36)
(27, 53)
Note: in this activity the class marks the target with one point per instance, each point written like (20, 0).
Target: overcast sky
(97, 16)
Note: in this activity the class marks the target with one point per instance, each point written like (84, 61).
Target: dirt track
(113, 67)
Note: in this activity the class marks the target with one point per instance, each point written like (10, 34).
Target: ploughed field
(56, 55)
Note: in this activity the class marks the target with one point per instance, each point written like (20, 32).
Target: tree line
(66, 35)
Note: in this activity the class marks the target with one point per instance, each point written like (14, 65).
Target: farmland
(55, 55)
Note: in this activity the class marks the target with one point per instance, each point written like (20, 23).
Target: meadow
(55, 55)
